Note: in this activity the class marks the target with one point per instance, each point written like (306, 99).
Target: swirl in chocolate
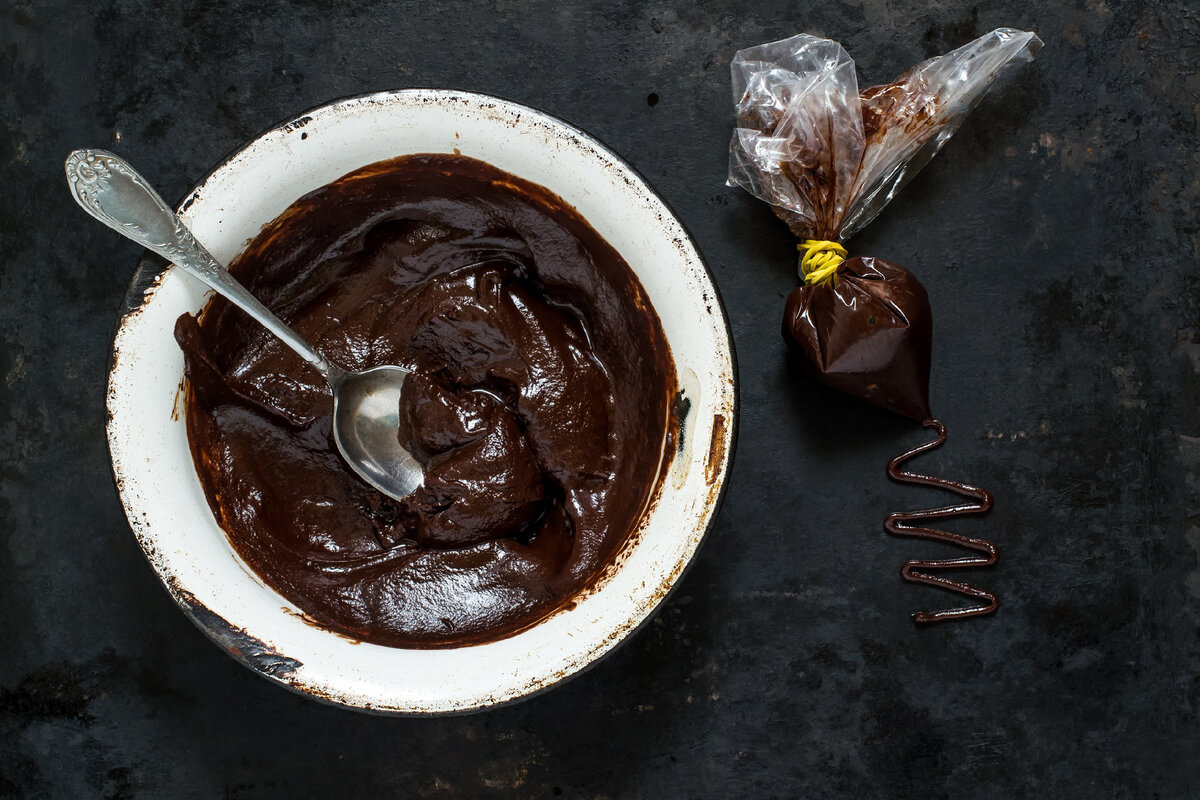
(539, 403)
(899, 524)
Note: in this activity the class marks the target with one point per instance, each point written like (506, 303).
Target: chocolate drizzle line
(897, 524)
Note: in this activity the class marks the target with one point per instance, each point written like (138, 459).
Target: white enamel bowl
(166, 506)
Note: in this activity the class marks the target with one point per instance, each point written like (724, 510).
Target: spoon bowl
(366, 421)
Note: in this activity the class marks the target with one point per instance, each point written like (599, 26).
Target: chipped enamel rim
(165, 503)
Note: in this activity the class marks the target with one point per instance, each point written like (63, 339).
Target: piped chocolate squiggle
(899, 524)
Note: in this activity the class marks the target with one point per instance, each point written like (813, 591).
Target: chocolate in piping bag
(868, 334)
(828, 158)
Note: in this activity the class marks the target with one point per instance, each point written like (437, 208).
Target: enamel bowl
(165, 503)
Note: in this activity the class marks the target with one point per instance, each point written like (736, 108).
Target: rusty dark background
(1057, 234)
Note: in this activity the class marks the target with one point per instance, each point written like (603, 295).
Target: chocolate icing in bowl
(540, 401)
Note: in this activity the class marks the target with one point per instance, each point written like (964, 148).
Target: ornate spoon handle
(114, 193)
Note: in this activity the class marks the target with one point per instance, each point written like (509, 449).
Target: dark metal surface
(1057, 235)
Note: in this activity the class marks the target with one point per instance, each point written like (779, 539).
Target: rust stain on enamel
(716, 450)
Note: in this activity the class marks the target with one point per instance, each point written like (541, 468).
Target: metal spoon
(366, 405)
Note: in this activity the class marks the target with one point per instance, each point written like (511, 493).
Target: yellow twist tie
(820, 260)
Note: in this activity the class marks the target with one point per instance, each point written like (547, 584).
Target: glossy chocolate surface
(867, 334)
(539, 402)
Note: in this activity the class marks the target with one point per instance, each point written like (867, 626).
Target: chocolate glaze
(867, 334)
(898, 525)
(539, 402)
